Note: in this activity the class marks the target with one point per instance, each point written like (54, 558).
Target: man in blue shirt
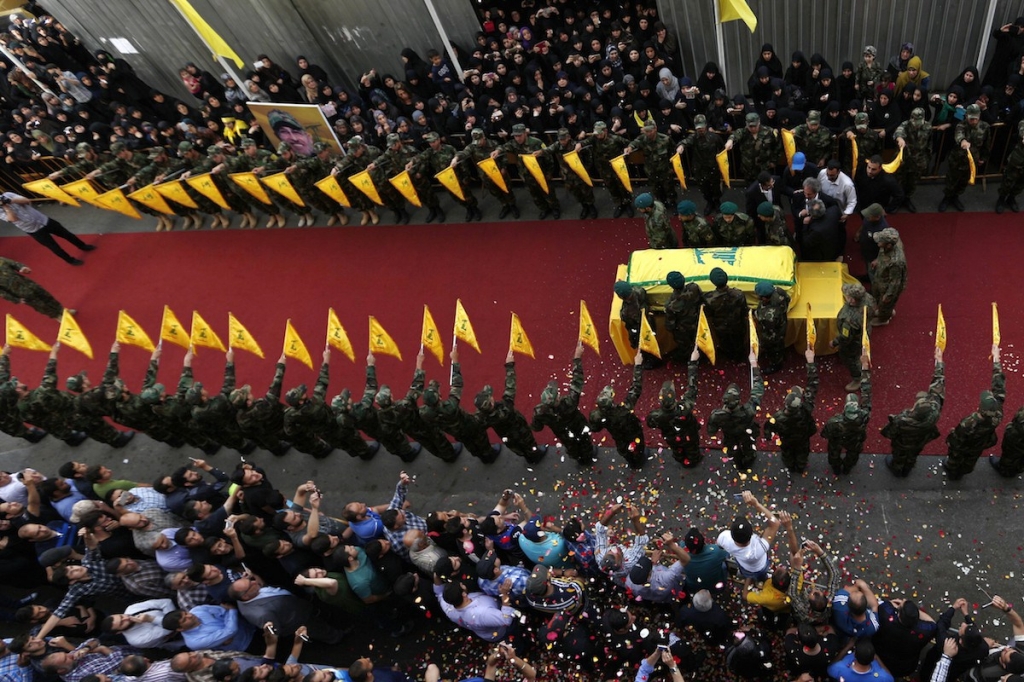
(855, 611)
(364, 522)
(210, 626)
(859, 664)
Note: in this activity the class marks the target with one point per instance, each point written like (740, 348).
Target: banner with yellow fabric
(722, 158)
(812, 331)
(755, 342)
(49, 189)
(972, 166)
(618, 165)
(572, 159)
(171, 329)
(129, 333)
(115, 200)
(518, 341)
(210, 37)
(239, 337)
(450, 180)
(150, 198)
(588, 333)
(788, 144)
(732, 10)
(82, 189)
(337, 336)
(331, 188)
(294, 347)
(18, 336)
(705, 343)
(854, 156)
(865, 340)
(533, 166)
(648, 339)
(70, 334)
(996, 336)
(205, 185)
(176, 192)
(403, 183)
(940, 331)
(895, 164)
(463, 327)
(677, 165)
(491, 170)
(203, 334)
(364, 183)
(251, 184)
(430, 337)
(381, 342)
(280, 183)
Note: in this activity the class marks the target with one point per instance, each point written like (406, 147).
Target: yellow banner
(573, 160)
(704, 341)
(677, 165)
(129, 333)
(755, 342)
(279, 183)
(171, 329)
(491, 170)
(865, 342)
(331, 188)
(70, 334)
(239, 337)
(205, 185)
(175, 191)
(50, 190)
(996, 336)
(381, 342)
(533, 166)
(940, 331)
(588, 333)
(430, 337)
(210, 37)
(732, 10)
(364, 183)
(974, 169)
(82, 189)
(115, 200)
(463, 327)
(812, 331)
(854, 156)
(337, 336)
(18, 336)
(619, 166)
(294, 347)
(788, 144)
(251, 184)
(203, 334)
(450, 180)
(518, 341)
(722, 158)
(149, 197)
(648, 339)
(895, 164)
(403, 183)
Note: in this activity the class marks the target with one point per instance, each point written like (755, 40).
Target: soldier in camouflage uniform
(136, 411)
(261, 420)
(11, 391)
(705, 146)
(732, 227)
(605, 146)
(49, 408)
(657, 222)
(306, 172)
(478, 149)
(252, 159)
(218, 164)
(419, 429)
(682, 310)
(727, 316)
(634, 305)
(914, 137)
(86, 161)
(794, 424)
(771, 317)
(888, 275)
(814, 140)
(759, 148)
(574, 184)
(1013, 175)
(390, 163)
(90, 404)
(345, 434)
(1011, 463)
(971, 139)
(287, 158)
(449, 416)
(619, 419)
(159, 167)
(16, 287)
(849, 429)
(868, 141)
(431, 161)
(308, 419)
(697, 234)
(215, 415)
(191, 160)
(774, 221)
(868, 75)
(657, 149)
(175, 411)
(977, 431)
(120, 170)
(676, 419)
(508, 422)
(387, 417)
(359, 157)
(910, 430)
(737, 422)
(562, 415)
(850, 327)
(521, 143)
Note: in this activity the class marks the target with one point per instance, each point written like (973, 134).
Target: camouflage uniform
(868, 141)
(420, 430)
(177, 414)
(726, 310)
(234, 196)
(217, 416)
(562, 415)
(390, 163)
(917, 157)
(632, 308)
(431, 161)
(18, 288)
(739, 232)
(478, 149)
(868, 78)
(758, 151)
(450, 417)
(11, 421)
(574, 184)
(50, 408)
(86, 161)
(815, 144)
(243, 162)
(912, 429)
(704, 147)
(1013, 174)
(385, 418)
(959, 171)
(349, 165)
(737, 422)
(888, 275)
(547, 202)
(794, 424)
(91, 406)
(136, 410)
(849, 429)
(1011, 463)
(192, 161)
(977, 431)
(677, 421)
(776, 231)
(156, 168)
(697, 234)
(660, 233)
(621, 421)
(117, 171)
(658, 150)
(849, 327)
(263, 420)
(771, 319)
(345, 434)
(310, 170)
(682, 311)
(602, 150)
(508, 422)
(308, 422)
(285, 158)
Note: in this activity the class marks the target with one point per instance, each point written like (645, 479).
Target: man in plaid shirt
(619, 560)
(87, 659)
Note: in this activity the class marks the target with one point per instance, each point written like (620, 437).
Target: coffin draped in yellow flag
(239, 337)
(70, 334)
(533, 166)
(572, 159)
(171, 329)
(176, 192)
(463, 327)
(82, 189)
(280, 183)
(865, 340)
(677, 165)
(812, 331)
(205, 185)
(648, 339)
(331, 188)
(130, 333)
(251, 184)
(705, 343)
(518, 341)
(403, 183)
(450, 180)
(996, 336)
(18, 336)
(115, 200)
(618, 165)
(588, 332)
(364, 183)
(203, 334)
(788, 144)
(489, 167)
(940, 331)
(430, 337)
(722, 158)
(337, 336)
(895, 164)
(294, 347)
(755, 342)
(49, 189)
(150, 198)
(381, 342)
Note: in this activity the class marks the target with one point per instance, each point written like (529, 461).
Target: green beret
(718, 277)
(813, 116)
(75, 382)
(393, 139)
(764, 288)
(728, 208)
(431, 137)
(185, 146)
(753, 119)
(518, 129)
(247, 142)
(282, 119)
(700, 121)
(873, 212)
(293, 396)
(686, 207)
(887, 236)
(320, 147)
(83, 147)
(155, 152)
(151, 395)
(766, 209)
(988, 402)
(283, 147)
(675, 279)
(623, 289)
(645, 200)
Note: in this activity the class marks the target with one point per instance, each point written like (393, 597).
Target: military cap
(870, 49)
(519, 129)
(431, 137)
(623, 288)
(282, 119)
(795, 397)
(432, 396)
(917, 113)
(283, 147)
(293, 396)
(854, 291)
(764, 288)
(355, 141)
(185, 146)
(686, 207)
(563, 133)
(485, 394)
(83, 147)
(718, 277)
(600, 127)
(155, 152)
(861, 119)
(194, 394)
(650, 125)
(75, 382)
(973, 111)
(752, 119)
(247, 142)
(700, 121)
(320, 147)
(645, 200)
(118, 147)
(214, 150)
(606, 398)
(873, 212)
(814, 116)
(151, 395)
(732, 391)
(393, 139)
(550, 393)
(476, 133)
(988, 402)
(668, 391)
(240, 395)
(675, 279)
(383, 396)
(766, 209)
(338, 402)
(887, 236)
(851, 410)
(728, 208)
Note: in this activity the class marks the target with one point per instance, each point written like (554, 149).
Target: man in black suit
(260, 604)
(811, 192)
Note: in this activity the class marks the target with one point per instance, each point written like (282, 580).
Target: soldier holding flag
(977, 431)
(913, 428)
(574, 184)
(562, 414)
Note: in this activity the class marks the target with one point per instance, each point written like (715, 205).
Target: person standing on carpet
(888, 275)
(508, 422)
(737, 420)
(971, 138)
(19, 211)
(771, 316)
(912, 429)
(794, 424)
(727, 316)
(706, 145)
(449, 416)
(389, 431)
(849, 429)
(581, 191)
(677, 420)
(1011, 462)
(606, 146)
(977, 431)
(682, 311)
(849, 327)
(16, 287)
(520, 144)
(732, 227)
(478, 149)
(621, 421)
(657, 148)
(562, 414)
(660, 234)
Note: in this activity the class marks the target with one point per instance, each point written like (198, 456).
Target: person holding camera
(19, 211)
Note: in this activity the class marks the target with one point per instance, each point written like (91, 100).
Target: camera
(4, 200)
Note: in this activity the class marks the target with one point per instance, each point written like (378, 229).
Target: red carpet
(538, 270)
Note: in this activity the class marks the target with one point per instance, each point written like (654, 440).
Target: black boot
(515, 211)
(211, 449)
(441, 217)
(478, 213)
(283, 446)
(556, 213)
(124, 439)
(431, 215)
(630, 209)
(505, 210)
(247, 447)
(944, 204)
(76, 438)
(1000, 204)
(593, 211)
(1011, 203)
(35, 435)
(617, 213)
(469, 214)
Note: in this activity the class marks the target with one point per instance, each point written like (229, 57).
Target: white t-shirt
(27, 219)
(753, 558)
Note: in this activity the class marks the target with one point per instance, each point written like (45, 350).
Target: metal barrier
(13, 175)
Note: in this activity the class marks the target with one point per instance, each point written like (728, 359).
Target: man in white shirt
(749, 549)
(18, 210)
(140, 625)
(838, 185)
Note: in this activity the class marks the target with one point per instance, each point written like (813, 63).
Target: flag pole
(444, 38)
(220, 60)
(720, 38)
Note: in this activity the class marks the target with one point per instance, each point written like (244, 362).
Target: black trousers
(52, 229)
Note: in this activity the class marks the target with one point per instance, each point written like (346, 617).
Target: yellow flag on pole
(149, 197)
(973, 167)
(788, 144)
(588, 332)
(854, 156)
(491, 170)
(239, 337)
(450, 180)
(331, 188)
(812, 331)
(648, 339)
(381, 342)
(996, 336)
(176, 192)
(172, 330)
(940, 331)
(732, 10)
(337, 336)
(572, 159)
(70, 334)
(115, 200)
(618, 165)
(677, 165)
(210, 37)
(755, 343)
(279, 183)
(251, 184)
(518, 341)
(49, 189)
(203, 334)
(532, 165)
(364, 183)
(430, 337)
(205, 185)
(294, 347)
(704, 341)
(463, 327)
(18, 336)
(895, 164)
(82, 189)
(129, 333)
(722, 158)
(865, 340)
(403, 183)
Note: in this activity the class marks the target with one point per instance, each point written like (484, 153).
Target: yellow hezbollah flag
(381, 341)
(788, 144)
(619, 166)
(18, 336)
(518, 341)
(205, 185)
(491, 170)
(704, 341)
(239, 337)
(70, 334)
(755, 343)
(279, 183)
(812, 331)
(430, 338)
(149, 197)
(722, 158)
(677, 165)
(337, 336)
(251, 184)
(175, 191)
(588, 333)
(648, 340)
(171, 329)
(533, 166)
(331, 188)
(450, 180)
(403, 183)
(940, 331)
(572, 159)
(854, 156)
(203, 334)
(82, 189)
(895, 164)
(294, 347)
(49, 189)
(115, 200)
(463, 327)
(209, 36)
(364, 183)
(129, 333)
(865, 342)
(996, 337)
(974, 169)
(731, 10)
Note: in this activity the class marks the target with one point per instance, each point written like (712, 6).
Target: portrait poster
(301, 125)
